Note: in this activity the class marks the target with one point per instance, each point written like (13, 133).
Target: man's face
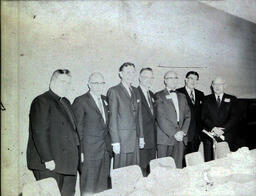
(191, 81)
(171, 80)
(146, 79)
(127, 74)
(63, 84)
(218, 86)
(97, 85)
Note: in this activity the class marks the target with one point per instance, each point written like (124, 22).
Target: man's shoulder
(160, 93)
(181, 90)
(230, 96)
(44, 97)
(82, 97)
(114, 88)
(200, 93)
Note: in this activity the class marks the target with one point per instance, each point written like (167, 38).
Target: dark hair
(127, 64)
(145, 69)
(58, 72)
(192, 73)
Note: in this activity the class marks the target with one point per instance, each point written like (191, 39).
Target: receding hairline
(170, 72)
(220, 79)
(94, 74)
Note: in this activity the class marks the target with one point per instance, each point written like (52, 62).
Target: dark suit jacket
(52, 135)
(167, 118)
(148, 121)
(195, 126)
(125, 117)
(224, 116)
(93, 131)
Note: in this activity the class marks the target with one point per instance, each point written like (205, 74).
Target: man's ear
(120, 74)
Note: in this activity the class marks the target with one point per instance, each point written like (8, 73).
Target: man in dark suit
(91, 111)
(53, 140)
(173, 118)
(218, 115)
(195, 99)
(148, 153)
(125, 120)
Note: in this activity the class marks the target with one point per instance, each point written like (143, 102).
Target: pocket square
(138, 100)
(227, 100)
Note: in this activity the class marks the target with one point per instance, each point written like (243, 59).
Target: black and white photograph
(128, 97)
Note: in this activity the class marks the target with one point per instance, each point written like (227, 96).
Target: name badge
(138, 100)
(226, 100)
(201, 102)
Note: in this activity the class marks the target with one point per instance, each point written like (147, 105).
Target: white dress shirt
(216, 97)
(175, 102)
(145, 93)
(127, 88)
(189, 93)
(101, 108)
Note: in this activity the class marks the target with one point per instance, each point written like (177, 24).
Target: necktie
(67, 106)
(100, 106)
(218, 101)
(150, 103)
(172, 91)
(192, 97)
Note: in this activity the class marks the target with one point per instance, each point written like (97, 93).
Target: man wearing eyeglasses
(195, 99)
(148, 153)
(219, 115)
(53, 140)
(125, 119)
(173, 118)
(91, 111)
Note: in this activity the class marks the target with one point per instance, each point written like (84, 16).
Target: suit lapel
(125, 91)
(144, 101)
(169, 101)
(94, 105)
(105, 108)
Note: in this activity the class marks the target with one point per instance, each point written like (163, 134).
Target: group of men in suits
(131, 125)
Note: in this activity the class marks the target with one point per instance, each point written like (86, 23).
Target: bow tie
(172, 91)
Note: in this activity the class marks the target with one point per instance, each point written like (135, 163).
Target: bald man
(91, 111)
(53, 140)
(173, 119)
(218, 115)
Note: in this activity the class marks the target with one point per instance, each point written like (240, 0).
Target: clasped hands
(217, 131)
(179, 136)
(116, 146)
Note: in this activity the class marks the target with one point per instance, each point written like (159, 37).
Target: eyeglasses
(171, 78)
(98, 83)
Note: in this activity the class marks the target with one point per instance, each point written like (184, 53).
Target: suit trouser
(146, 155)
(95, 175)
(66, 183)
(208, 149)
(175, 151)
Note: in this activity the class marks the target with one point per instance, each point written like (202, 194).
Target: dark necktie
(218, 101)
(150, 102)
(172, 91)
(192, 97)
(67, 106)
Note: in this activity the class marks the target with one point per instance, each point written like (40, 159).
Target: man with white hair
(53, 140)
(91, 111)
(173, 117)
(218, 115)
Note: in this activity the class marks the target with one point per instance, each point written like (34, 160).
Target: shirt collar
(189, 90)
(144, 90)
(126, 86)
(54, 95)
(94, 96)
(221, 95)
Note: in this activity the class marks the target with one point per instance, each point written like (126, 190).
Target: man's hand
(82, 157)
(142, 143)
(179, 136)
(50, 165)
(217, 131)
(116, 148)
